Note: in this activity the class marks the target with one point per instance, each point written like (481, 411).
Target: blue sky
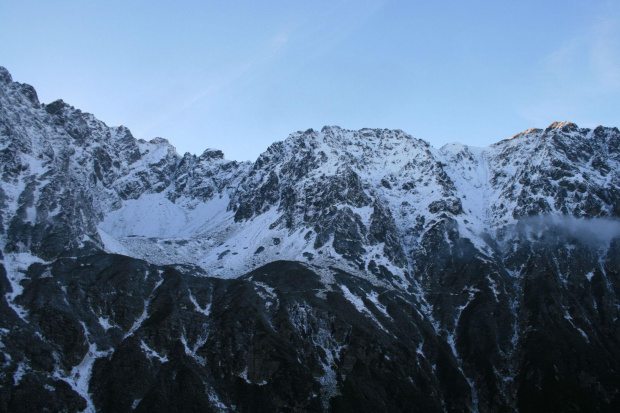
(239, 75)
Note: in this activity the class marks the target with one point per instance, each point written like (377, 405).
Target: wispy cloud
(581, 71)
(247, 70)
(605, 53)
(216, 88)
(321, 36)
(592, 58)
(305, 39)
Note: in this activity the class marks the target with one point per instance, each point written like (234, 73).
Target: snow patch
(152, 354)
(16, 266)
(138, 323)
(360, 306)
(19, 373)
(374, 298)
(206, 311)
(105, 323)
(79, 377)
(151, 215)
(111, 245)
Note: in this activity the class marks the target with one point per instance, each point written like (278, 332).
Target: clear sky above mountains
(239, 75)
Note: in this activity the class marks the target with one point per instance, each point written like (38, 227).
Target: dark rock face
(569, 336)
(280, 338)
(459, 279)
(266, 341)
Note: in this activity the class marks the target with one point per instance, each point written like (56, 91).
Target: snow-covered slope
(340, 197)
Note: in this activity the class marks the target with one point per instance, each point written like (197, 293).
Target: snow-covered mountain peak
(340, 138)
(564, 126)
(159, 141)
(212, 155)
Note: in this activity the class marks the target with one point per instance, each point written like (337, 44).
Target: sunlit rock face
(342, 271)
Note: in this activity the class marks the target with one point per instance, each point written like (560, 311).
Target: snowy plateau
(344, 271)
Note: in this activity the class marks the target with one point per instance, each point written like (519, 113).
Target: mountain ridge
(413, 278)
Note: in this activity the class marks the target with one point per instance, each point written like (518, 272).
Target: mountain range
(341, 271)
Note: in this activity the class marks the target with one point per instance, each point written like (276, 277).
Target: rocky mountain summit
(341, 271)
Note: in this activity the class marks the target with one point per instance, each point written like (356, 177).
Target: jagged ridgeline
(342, 271)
